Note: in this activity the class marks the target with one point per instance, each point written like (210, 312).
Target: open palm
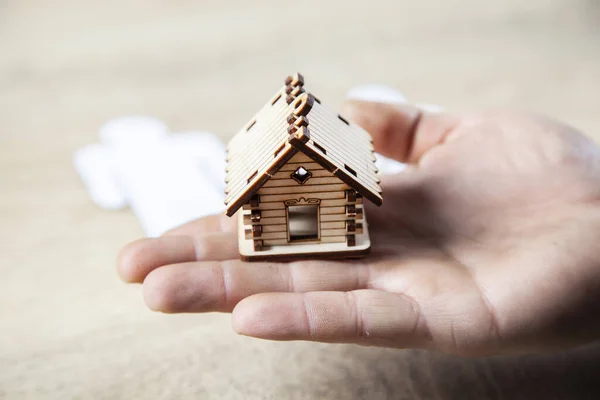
(488, 242)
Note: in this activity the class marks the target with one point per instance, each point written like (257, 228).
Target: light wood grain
(70, 329)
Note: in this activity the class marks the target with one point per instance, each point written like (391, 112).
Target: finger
(141, 257)
(219, 286)
(212, 224)
(400, 131)
(360, 316)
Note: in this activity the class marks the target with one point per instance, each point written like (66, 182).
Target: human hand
(487, 243)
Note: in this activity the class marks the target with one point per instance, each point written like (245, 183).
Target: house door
(303, 222)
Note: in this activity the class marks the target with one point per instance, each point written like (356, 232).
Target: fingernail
(356, 110)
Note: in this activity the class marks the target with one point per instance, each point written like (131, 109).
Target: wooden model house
(298, 173)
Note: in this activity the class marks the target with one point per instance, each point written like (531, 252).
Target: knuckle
(360, 329)
(202, 249)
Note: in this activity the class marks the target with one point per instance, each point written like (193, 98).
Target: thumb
(400, 131)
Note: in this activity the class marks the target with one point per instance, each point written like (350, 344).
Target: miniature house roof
(295, 121)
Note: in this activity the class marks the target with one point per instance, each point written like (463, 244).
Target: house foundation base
(311, 250)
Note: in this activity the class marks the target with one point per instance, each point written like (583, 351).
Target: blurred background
(70, 329)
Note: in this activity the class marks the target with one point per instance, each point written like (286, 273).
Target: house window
(301, 175)
(303, 222)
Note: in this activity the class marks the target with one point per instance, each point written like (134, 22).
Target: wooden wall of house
(266, 223)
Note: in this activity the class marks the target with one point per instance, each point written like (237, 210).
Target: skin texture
(488, 243)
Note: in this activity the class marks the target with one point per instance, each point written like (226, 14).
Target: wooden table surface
(70, 329)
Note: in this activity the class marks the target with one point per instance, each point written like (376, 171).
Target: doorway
(303, 223)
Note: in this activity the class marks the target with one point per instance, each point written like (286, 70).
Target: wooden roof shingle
(296, 121)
